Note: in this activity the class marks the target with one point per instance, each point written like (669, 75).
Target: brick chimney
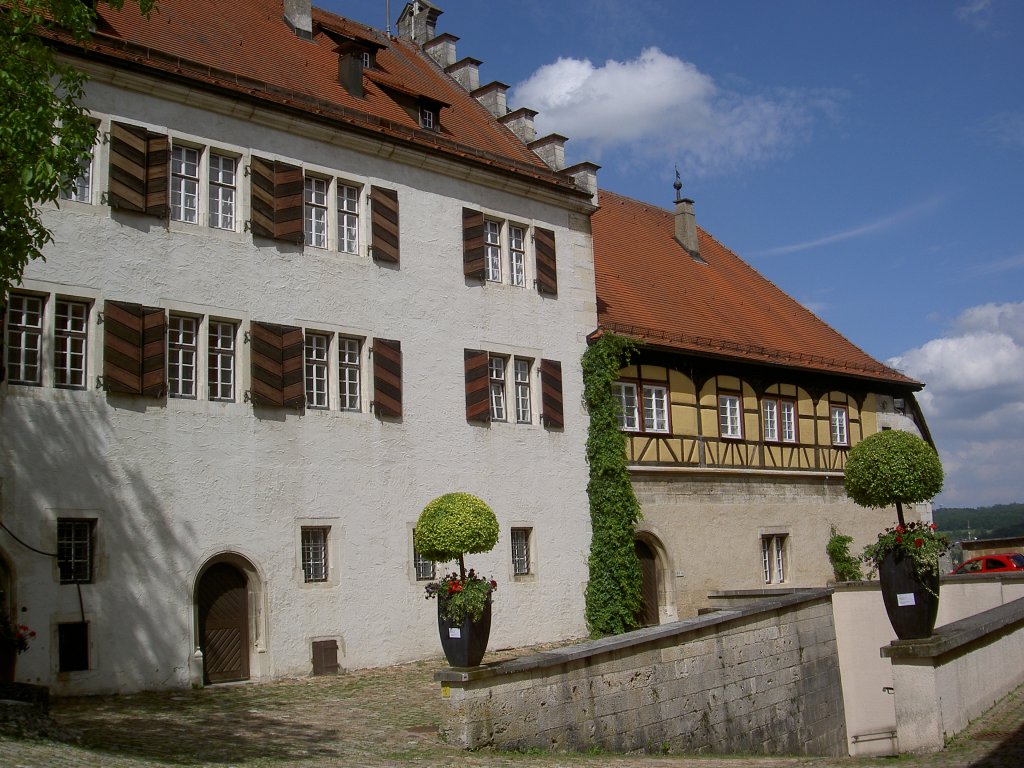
(686, 222)
(299, 15)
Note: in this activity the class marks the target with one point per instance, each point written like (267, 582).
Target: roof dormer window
(428, 118)
(367, 60)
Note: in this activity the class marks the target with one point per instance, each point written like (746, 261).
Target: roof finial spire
(677, 185)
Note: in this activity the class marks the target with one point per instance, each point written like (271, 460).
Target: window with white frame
(521, 551)
(348, 373)
(629, 416)
(425, 569)
(24, 339)
(496, 377)
(316, 211)
(75, 544)
(222, 191)
(182, 351)
(348, 219)
(221, 358)
(492, 250)
(314, 553)
(655, 408)
(729, 416)
(787, 413)
(79, 188)
(521, 372)
(773, 558)
(185, 184)
(317, 348)
(778, 419)
(840, 425)
(770, 420)
(517, 255)
(70, 332)
(428, 118)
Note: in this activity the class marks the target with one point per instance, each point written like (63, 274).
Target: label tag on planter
(457, 631)
(905, 599)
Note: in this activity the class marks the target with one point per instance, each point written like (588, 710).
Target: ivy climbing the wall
(613, 597)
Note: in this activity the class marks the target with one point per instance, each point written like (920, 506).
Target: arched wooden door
(222, 596)
(648, 615)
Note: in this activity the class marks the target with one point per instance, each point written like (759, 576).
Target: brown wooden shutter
(472, 243)
(158, 168)
(384, 224)
(387, 378)
(478, 405)
(547, 275)
(325, 657)
(551, 393)
(277, 363)
(277, 200)
(134, 349)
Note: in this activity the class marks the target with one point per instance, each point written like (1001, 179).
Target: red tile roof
(649, 287)
(247, 48)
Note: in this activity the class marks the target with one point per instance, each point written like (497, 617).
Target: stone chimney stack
(686, 222)
(299, 15)
(418, 22)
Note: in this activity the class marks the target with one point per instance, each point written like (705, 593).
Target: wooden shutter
(278, 365)
(384, 224)
(139, 167)
(472, 243)
(134, 344)
(325, 657)
(277, 200)
(547, 275)
(478, 404)
(387, 378)
(551, 393)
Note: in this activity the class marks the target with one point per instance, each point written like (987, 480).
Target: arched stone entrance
(224, 619)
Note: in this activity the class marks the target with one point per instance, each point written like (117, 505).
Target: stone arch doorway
(224, 619)
(651, 588)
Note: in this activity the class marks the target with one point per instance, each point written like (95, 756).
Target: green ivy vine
(613, 596)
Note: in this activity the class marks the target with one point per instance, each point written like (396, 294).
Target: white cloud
(977, 13)
(662, 106)
(974, 403)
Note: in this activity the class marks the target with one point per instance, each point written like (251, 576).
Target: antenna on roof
(677, 185)
(387, 18)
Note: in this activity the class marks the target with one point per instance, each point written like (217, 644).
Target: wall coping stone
(955, 636)
(603, 645)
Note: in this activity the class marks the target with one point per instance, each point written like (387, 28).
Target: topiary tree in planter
(889, 468)
(450, 527)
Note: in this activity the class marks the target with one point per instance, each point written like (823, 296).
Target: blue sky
(867, 157)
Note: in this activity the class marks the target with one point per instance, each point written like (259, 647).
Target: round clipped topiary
(454, 525)
(892, 467)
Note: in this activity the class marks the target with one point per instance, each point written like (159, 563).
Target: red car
(991, 564)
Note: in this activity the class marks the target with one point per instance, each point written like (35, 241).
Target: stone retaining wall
(761, 679)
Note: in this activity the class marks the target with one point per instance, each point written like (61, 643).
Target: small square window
(521, 551)
(427, 118)
(75, 544)
(425, 569)
(314, 554)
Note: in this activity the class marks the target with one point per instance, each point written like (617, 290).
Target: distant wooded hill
(995, 522)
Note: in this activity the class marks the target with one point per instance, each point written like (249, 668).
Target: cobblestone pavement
(374, 718)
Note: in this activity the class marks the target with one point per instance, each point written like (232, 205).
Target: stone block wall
(762, 679)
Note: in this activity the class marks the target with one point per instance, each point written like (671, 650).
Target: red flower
(918, 542)
(900, 529)
(933, 526)
(494, 584)
(454, 586)
(899, 539)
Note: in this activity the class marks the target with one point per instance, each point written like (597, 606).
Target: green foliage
(892, 467)
(44, 134)
(613, 596)
(921, 542)
(462, 597)
(453, 525)
(993, 522)
(845, 566)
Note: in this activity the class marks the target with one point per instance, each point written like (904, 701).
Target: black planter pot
(464, 644)
(912, 602)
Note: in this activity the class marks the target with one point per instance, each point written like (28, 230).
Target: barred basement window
(75, 544)
(425, 569)
(314, 554)
(521, 551)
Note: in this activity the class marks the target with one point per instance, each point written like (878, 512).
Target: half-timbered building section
(738, 410)
(312, 277)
